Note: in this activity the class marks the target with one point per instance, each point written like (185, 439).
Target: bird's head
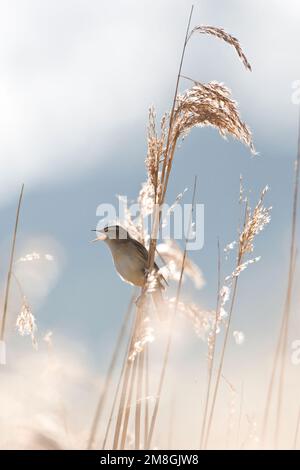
(111, 232)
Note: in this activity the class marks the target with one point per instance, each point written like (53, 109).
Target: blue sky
(77, 79)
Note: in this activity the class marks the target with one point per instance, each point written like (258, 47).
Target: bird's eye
(105, 229)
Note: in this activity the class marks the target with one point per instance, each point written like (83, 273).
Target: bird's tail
(160, 304)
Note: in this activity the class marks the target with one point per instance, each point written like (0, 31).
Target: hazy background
(76, 80)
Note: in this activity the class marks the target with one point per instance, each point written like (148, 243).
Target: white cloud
(74, 76)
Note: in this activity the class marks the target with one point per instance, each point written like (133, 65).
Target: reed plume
(220, 33)
(254, 222)
(201, 105)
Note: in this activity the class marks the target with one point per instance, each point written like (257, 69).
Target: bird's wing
(144, 253)
(141, 249)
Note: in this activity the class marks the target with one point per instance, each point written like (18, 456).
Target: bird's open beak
(100, 237)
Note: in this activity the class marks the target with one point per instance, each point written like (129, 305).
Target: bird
(130, 258)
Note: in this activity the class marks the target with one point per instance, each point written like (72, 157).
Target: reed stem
(108, 379)
(11, 261)
(126, 377)
(211, 357)
(296, 431)
(133, 368)
(146, 424)
(138, 409)
(281, 345)
(171, 329)
(166, 168)
(220, 368)
(117, 389)
(288, 300)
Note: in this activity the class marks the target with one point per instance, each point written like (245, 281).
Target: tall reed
(288, 300)
(253, 224)
(108, 378)
(208, 104)
(211, 352)
(172, 325)
(118, 388)
(11, 261)
(296, 431)
(279, 360)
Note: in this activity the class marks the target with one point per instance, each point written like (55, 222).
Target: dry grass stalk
(276, 359)
(138, 409)
(296, 431)
(212, 94)
(202, 105)
(171, 420)
(118, 387)
(283, 338)
(172, 325)
(124, 390)
(254, 223)
(232, 410)
(220, 368)
(240, 415)
(252, 435)
(144, 337)
(149, 200)
(142, 334)
(160, 179)
(211, 352)
(109, 375)
(9, 272)
(146, 423)
(133, 369)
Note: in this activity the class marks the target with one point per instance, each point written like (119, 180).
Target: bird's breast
(129, 266)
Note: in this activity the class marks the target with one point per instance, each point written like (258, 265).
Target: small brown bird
(131, 260)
